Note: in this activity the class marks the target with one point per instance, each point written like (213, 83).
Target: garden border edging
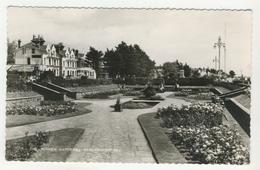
(163, 149)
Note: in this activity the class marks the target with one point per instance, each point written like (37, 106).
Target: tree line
(122, 61)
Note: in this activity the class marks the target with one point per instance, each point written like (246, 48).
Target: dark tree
(128, 61)
(187, 70)
(11, 47)
(95, 57)
(196, 74)
(232, 73)
(171, 70)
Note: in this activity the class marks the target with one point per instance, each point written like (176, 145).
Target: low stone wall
(33, 100)
(240, 113)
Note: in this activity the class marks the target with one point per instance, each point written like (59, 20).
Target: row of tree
(122, 61)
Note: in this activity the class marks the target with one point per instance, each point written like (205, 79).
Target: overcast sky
(165, 35)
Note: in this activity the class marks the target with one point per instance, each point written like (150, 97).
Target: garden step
(49, 94)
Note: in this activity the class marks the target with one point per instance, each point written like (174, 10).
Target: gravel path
(109, 136)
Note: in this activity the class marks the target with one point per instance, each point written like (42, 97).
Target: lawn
(19, 120)
(60, 145)
(52, 146)
(186, 98)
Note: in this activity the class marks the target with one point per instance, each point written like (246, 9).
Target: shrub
(23, 149)
(219, 144)
(149, 92)
(207, 114)
(17, 82)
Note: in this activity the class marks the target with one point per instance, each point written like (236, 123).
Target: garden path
(109, 136)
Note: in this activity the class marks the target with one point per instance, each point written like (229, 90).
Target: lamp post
(215, 60)
(218, 45)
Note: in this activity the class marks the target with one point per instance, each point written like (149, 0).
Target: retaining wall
(33, 100)
(240, 113)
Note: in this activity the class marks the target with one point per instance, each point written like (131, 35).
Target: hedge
(195, 81)
(80, 82)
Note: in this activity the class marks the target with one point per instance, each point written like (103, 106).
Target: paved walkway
(109, 136)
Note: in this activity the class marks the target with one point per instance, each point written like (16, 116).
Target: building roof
(30, 45)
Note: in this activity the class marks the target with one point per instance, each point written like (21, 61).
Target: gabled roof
(30, 45)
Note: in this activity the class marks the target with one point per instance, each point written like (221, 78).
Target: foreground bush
(149, 92)
(22, 149)
(207, 114)
(43, 110)
(216, 145)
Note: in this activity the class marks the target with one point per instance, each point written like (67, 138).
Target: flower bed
(216, 145)
(22, 149)
(207, 114)
(202, 94)
(43, 110)
(197, 130)
(101, 95)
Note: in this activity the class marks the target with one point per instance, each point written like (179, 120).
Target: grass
(187, 99)
(19, 120)
(60, 145)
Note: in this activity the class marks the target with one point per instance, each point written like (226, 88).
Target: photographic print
(128, 85)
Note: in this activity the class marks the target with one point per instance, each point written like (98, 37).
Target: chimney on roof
(41, 40)
(19, 43)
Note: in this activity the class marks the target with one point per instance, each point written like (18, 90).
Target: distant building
(47, 58)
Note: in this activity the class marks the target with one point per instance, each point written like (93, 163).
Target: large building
(66, 63)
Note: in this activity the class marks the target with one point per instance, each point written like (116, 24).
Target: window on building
(91, 73)
(33, 50)
(24, 50)
(28, 61)
(36, 56)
